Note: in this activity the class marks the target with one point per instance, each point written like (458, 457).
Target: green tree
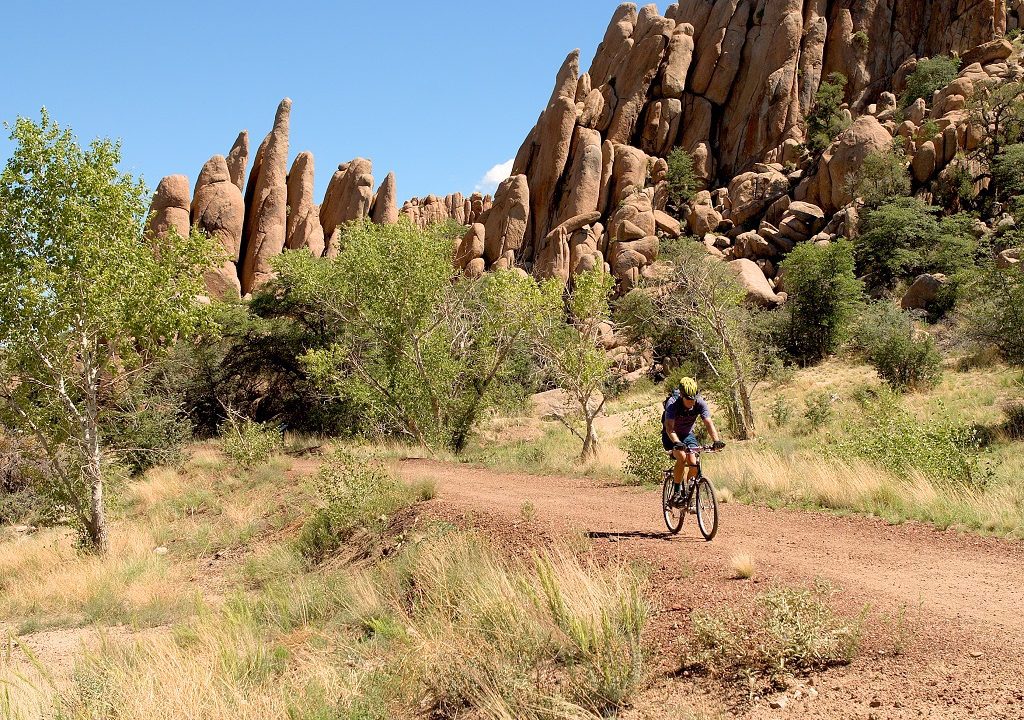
(824, 295)
(417, 351)
(999, 108)
(85, 301)
(1008, 170)
(570, 350)
(826, 120)
(931, 74)
(903, 357)
(882, 177)
(682, 180)
(992, 309)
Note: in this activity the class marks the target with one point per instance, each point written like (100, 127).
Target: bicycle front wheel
(707, 509)
(673, 515)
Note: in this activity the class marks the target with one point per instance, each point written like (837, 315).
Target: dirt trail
(963, 592)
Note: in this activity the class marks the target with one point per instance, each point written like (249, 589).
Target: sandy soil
(961, 596)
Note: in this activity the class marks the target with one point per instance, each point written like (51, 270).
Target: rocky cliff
(731, 81)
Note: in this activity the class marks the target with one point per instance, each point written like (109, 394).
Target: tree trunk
(96, 523)
(744, 412)
(589, 441)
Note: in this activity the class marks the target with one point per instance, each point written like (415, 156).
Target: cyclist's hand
(718, 445)
(678, 446)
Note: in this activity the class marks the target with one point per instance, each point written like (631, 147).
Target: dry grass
(758, 474)
(743, 566)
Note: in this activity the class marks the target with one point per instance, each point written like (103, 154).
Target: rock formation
(385, 202)
(238, 159)
(264, 234)
(219, 211)
(170, 207)
(303, 229)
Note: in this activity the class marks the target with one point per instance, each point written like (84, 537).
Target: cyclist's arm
(712, 430)
(671, 431)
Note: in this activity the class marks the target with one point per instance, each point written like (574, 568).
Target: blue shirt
(682, 419)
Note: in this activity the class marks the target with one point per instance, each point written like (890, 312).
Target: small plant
(1013, 426)
(931, 74)
(818, 412)
(789, 629)
(682, 179)
(743, 566)
(826, 119)
(355, 494)
(645, 455)
(903, 358)
(779, 411)
(861, 40)
(528, 512)
(425, 490)
(249, 443)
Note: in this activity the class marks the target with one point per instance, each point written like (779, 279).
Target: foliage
(826, 119)
(818, 410)
(790, 629)
(412, 351)
(824, 295)
(904, 359)
(146, 426)
(946, 450)
(1013, 426)
(570, 351)
(931, 74)
(645, 455)
(1008, 170)
(992, 309)
(903, 238)
(703, 322)
(882, 176)
(355, 493)
(249, 443)
(85, 301)
(780, 411)
(998, 107)
(682, 179)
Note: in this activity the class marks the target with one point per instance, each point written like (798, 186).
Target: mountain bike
(698, 498)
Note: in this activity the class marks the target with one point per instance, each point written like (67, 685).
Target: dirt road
(962, 595)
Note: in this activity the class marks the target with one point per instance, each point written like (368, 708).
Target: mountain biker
(682, 408)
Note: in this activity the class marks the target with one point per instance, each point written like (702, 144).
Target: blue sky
(438, 93)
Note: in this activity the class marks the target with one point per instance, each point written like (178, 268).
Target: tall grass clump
(788, 630)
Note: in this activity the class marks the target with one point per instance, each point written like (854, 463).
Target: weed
(645, 455)
(743, 566)
(818, 412)
(249, 443)
(528, 512)
(779, 411)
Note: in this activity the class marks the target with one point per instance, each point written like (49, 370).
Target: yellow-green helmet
(688, 388)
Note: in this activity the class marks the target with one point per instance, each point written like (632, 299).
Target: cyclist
(682, 408)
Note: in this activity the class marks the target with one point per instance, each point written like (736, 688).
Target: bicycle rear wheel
(673, 515)
(707, 509)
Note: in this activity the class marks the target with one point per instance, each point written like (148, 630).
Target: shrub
(147, 431)
(904, 359)
(790, 629)
(780, 411)
(824, 295)
(682, 179)
(645, 455)
(991, 300)
(249, 443)
(1014, 423)
(931, 74)
(945, 450)
(1008, 170)
(355, 494)
(826, 119)
(882, 177)
(893, 240)
(818, 410)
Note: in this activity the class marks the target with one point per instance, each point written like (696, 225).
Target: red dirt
(961, 595)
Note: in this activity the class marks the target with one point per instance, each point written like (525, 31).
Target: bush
(945, 450)
(355, 494)
(882, 177)
(682, 180)
(904, 359)
(1008, 170)
(991, 302)
(147, 431)
(779, 411)
(249, 443)
(818, 410)
(826, 119)
(893, 240)
(824, 295)
(645, 455)
(790, 629)
(1014, 424)
(931, 74)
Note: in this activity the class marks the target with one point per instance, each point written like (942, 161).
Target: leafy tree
(992, 309)
(569, 349)
(904, 237)
(682, 180)
(414, 350)
(904, 359)
(824, 295)
(1008, 170)
(85, 301)
(882, 177)
(998, 107)
(931, 74)
(826, 119)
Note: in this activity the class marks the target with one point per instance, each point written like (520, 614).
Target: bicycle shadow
(636, 535)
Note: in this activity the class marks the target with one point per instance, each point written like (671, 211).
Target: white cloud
(489, 182)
